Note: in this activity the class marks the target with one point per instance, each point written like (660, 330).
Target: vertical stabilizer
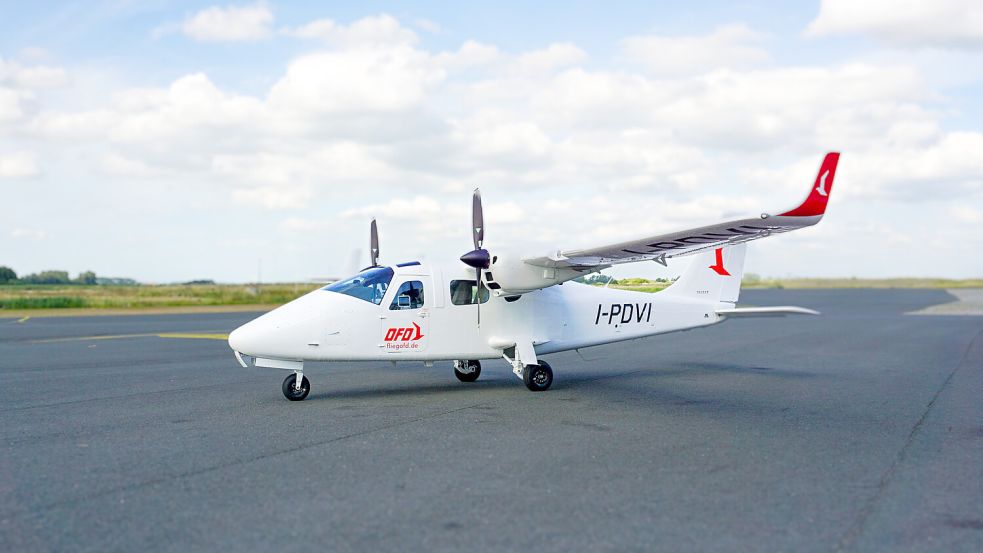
(714, 275)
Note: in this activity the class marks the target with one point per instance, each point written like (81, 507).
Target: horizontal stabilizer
(777, 311)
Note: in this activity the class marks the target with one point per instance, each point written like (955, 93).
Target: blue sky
(178, 140)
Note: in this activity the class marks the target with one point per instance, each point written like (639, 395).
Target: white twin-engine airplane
(428, 312)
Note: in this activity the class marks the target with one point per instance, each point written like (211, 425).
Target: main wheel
(470, 372)
(538, 378)
(290, 390)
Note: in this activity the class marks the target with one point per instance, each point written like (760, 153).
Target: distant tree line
(9, 276)
(599, 279)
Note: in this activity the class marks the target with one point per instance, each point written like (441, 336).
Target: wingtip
(815, 203)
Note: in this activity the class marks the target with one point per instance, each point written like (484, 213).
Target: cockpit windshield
(369, 285)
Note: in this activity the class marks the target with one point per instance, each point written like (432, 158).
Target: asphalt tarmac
(860, 430)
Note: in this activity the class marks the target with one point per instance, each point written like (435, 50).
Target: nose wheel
(294, 390)
(467, 371)
(538, 378)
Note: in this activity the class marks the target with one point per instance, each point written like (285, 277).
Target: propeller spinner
(479, 257)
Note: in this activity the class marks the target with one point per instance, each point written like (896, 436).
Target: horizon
(755, 279)
(181, 141)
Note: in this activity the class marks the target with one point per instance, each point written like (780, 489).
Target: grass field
(17, 300)
(22, 297)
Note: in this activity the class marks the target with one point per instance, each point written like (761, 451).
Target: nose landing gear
(296, 387)
(467, 371)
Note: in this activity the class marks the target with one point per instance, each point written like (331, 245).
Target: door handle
(423, 314)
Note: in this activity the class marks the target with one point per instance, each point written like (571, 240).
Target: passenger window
(463, 292)
(409, 296)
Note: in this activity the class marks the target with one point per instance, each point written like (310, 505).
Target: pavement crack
(858, 526)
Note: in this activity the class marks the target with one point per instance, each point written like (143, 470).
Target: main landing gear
(535, 373)
(538, 378)
(296, 387)
(467, 371)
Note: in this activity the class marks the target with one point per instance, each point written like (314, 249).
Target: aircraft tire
(292, 393)
(538, 378)
(469, 376)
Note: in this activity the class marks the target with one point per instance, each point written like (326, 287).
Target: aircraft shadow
(578, 382)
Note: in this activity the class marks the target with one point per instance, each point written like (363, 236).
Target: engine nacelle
(509, 275)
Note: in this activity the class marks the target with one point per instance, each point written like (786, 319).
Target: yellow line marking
(88, 338)
(123, 336)
(23, 320)
(192, 336)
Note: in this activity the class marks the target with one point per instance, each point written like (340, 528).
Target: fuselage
(427, 313)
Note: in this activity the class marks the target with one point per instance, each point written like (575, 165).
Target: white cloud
(34, 77)
(40, 77)
(300, 225)
(230, 23)
(19, 165)
(116, 164)
(427, 25)
(762, 109)
(470, 54)
(28, 234)
(191, 103)
(968, 214)
(390, 79)
(10, 107)
(415, 208)
(18, 84)
(491, 134)
(33, 53)
(425, 218)
(94, 123)
(274, 197)
(729, 46)
(945, 23)
(375, 30)
(554, 56)
(951, 166)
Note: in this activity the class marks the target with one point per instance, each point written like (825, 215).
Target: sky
(170, 141)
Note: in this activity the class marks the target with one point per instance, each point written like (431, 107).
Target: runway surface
(859, 430)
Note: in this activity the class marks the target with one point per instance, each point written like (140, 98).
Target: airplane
(498, 303)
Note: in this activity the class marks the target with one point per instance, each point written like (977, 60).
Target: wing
(685, 242)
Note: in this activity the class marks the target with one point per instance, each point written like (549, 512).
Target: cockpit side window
(409, 296)
(369, 285)
(463, 292)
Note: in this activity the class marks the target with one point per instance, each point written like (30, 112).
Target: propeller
(374, 244)
(478, 257)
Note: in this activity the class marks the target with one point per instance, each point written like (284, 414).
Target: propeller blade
(374, 243)
(477, 220)
(477, 293)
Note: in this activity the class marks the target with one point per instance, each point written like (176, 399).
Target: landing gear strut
(296, 387)
(467, 371)
(538, 378)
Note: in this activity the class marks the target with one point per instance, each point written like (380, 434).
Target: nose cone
(282, 333)
(239, 338)
(258, 338)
